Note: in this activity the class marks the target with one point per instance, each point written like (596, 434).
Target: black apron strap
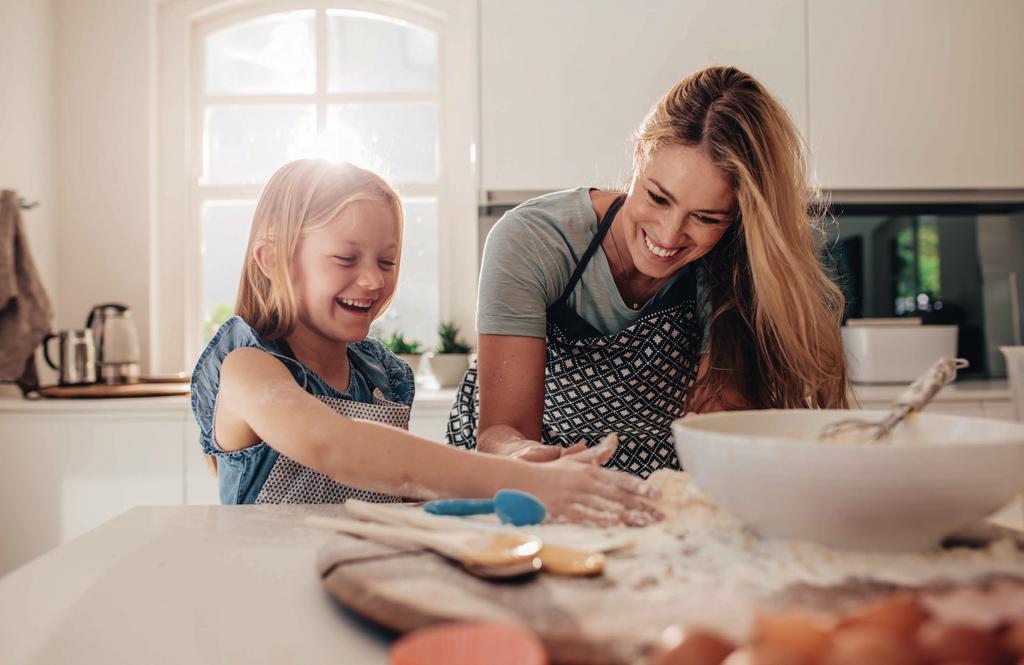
(595, 243)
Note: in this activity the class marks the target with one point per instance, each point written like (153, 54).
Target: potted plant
(451, 359)
(408, 350)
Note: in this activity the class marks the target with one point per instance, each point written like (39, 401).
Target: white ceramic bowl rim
(1014, 435)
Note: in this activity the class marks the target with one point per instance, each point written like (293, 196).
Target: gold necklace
(644, 296)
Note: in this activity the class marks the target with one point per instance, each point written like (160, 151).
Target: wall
(103, 124)
(26, 136)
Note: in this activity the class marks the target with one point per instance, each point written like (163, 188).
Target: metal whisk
(913, 399)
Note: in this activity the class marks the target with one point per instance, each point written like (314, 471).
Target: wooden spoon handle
(392, 535)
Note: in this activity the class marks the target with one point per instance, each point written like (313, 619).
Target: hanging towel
(25, 311)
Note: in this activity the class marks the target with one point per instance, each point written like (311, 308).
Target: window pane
(246, 144)
(269, 54)
(415, 311)
(225, 236)
(370, 53)
(398, 141)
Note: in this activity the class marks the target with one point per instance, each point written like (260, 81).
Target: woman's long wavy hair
(301, 197)
(774, 333)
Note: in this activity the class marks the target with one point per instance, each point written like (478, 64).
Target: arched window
(361, 82)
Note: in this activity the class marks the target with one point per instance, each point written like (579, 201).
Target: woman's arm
(510, 373)
(259, 395)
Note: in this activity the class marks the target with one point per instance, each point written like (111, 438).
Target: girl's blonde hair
(774, 334)
(301, 197)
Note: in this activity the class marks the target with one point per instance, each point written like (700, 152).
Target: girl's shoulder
(385, 370)
(233, 334)
(206, 376)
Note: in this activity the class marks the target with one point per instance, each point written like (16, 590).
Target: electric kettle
(117, 343)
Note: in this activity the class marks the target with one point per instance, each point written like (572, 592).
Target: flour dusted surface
(698, 544)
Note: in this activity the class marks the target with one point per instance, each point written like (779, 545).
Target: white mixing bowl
(937, 474)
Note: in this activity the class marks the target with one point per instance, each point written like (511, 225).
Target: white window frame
(175, 340)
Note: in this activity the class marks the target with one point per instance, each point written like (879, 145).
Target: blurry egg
(1013, 639)
(742, 656)
(802, 635)
(941, 642)
(869, 644)
(900, 614)
(696, 647)
(769, 654)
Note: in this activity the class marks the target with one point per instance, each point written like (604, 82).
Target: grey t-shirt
(529, 257)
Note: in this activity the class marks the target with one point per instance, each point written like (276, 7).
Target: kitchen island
(215, 584)
(185, 584)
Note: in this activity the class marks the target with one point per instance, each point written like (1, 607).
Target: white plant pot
(412, 360)
(449, 368)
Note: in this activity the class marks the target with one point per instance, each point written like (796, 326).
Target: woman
(697, 290)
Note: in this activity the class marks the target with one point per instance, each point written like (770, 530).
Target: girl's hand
(577, 489)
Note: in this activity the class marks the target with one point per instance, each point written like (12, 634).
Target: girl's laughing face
(345, 272)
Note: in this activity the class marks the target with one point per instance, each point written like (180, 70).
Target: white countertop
(430, 399)
(966, 390)
(197, 584)
(426, 398)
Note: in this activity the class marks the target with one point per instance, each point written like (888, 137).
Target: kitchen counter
(434, 399)
(967, 390)
(427, 398)
(196, 584)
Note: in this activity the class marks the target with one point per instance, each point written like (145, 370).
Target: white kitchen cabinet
(200, 482)
(68, 466)
(430, 411)
(916, 94)
(564, 85)
(66, 472)
(999, 410)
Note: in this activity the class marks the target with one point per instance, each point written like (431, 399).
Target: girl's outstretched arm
(260, 401)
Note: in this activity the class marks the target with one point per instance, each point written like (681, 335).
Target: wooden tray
(590, 621)
(98, 390)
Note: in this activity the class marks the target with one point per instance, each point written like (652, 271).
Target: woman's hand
(577, 489)
(524, 449)
(534, 451)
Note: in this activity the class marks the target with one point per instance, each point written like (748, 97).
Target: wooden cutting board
(580, 620)
(98, 390)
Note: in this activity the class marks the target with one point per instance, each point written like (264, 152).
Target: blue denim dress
(381, 388)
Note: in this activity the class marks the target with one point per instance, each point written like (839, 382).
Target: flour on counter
(699, 544)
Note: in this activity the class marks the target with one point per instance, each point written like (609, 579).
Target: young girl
(299, 406)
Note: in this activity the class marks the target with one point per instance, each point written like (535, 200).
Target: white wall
(26, 136)
(103, 123)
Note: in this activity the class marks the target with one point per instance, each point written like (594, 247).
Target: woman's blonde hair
(774, 334)
(301, 197)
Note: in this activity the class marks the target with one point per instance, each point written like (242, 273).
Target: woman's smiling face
(678, 207)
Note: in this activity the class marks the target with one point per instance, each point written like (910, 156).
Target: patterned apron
(291, 482)
(633, 382)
